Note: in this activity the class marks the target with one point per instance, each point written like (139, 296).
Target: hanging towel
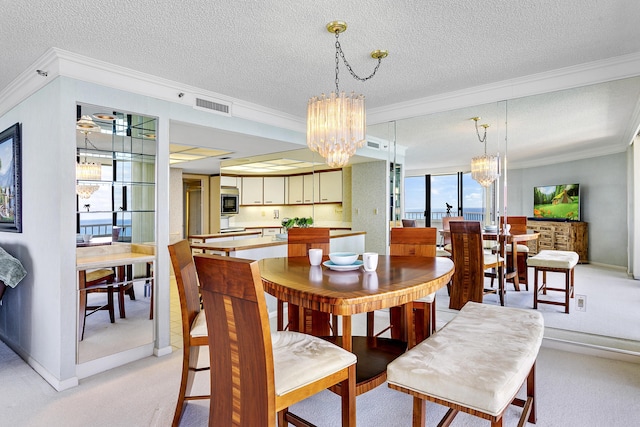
(11, 270)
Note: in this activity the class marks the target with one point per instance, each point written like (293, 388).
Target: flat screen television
(557, 202)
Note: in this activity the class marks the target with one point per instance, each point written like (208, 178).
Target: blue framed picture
(10, 180)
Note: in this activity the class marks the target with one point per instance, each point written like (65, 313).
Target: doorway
(192, 192)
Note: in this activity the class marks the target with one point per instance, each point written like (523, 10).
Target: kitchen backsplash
(326, 215)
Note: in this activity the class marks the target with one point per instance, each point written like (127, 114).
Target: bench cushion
(479, 360)
(554, 259)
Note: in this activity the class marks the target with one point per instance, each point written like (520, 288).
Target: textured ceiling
(278, 53)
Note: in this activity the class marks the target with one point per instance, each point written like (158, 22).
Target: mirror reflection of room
(515, 132)
(115, 230)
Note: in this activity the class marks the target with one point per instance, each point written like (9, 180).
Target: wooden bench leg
(531, 393)
(535, 288)
(419, 412)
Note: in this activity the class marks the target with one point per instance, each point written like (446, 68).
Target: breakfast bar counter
(269, 247)
(234, 235)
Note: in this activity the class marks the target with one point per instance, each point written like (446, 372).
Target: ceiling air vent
(374, 145)
(213, 106)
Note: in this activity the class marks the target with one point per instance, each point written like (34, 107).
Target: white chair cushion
(442, 252)
(554, 259)
(448, 247)
(300, 359)
(478, 360)
(102, 273)
(428, 299)
(491, 258)
(519, 248)
(199, 325)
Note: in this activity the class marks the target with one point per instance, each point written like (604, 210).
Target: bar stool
(553, 261)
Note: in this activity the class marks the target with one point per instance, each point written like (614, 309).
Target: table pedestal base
(374, 354)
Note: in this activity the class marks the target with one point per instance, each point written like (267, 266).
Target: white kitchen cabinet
(252, 190)
(311, 189)
(296, 189)
(273, 190)
(331, 187)
(229, 181)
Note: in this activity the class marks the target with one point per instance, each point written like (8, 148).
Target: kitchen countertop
(260, 242)
(259, 227)
(232, 233)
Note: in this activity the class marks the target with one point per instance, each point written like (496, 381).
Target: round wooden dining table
(397, 281)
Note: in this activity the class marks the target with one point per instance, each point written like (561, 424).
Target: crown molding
(58, 62)
(563, 78)
(29, 81)
(568, 157)
(513, 165)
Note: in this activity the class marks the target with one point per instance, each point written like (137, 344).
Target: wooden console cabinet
(561, 236)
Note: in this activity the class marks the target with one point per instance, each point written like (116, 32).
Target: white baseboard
(102, 364)
(592, 350)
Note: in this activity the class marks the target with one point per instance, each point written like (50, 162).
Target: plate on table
(329, 264)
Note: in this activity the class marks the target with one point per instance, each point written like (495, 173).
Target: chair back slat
(468, 259)
(420, 241)
(300, 240)
(242, 367)
(187, 282)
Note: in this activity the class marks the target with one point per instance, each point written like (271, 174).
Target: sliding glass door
(428, 198)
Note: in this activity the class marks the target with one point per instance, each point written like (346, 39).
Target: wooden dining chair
(470, 262)
(313, 322)
(518, 226)
(515, 270)
(446, 237)
(409, 223)
(101, 281)
(194, 325)
(419, 241)
(257, 375)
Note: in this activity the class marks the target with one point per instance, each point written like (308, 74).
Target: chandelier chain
(484, 137)
(346, 63)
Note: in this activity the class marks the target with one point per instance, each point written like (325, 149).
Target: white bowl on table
(343, 258)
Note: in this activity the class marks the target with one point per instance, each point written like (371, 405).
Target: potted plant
(303, 222)
(287, 223)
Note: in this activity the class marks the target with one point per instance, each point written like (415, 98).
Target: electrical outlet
(581, 302)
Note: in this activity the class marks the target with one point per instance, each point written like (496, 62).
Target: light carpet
(573, 390)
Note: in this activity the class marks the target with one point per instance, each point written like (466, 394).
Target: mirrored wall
(577, 135)
(115, 230)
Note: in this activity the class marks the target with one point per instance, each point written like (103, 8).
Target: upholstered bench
(476, 363)
(554, 261)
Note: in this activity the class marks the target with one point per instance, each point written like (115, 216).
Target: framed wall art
(10, 180)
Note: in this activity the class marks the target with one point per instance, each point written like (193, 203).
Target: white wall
(634, 208)
(33, 315)
(38, 318)
(603, 190)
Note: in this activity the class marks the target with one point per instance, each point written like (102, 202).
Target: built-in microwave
(229, 200)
